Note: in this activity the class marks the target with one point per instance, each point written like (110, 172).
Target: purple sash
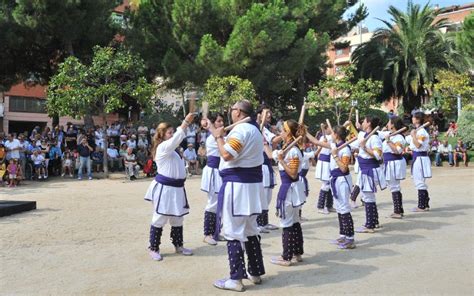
(237, 175)
(268, 163)
(213, 161)
(417, 154)
(166, 181)
(169, 181)
(284, 187)
(335, 173)
(387, 156)
(367, 166)
(324, 157)
(303, 174)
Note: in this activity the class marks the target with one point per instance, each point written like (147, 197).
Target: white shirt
(374, 143)
(112, 152)
(245, 144)
(444, 149)
(306, 157)
(328, 139)
(211, 147)
(132, 144)
(14, 144)
(293, 154)
(423, 137)
(168, 161)
(397, 140)
(190, 154)
(37, 159)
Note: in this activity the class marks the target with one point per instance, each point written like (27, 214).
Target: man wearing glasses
(239, 200)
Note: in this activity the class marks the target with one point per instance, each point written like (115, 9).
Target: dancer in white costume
(370, 173)
(269, 183)
(167, 190)
(239, 200)
(291, 195)
(211, 181)
(421, 166)
(323, 173)
(395, 165)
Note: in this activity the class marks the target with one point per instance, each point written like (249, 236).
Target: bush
(466, 125)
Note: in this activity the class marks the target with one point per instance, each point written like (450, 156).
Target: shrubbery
(466, 124)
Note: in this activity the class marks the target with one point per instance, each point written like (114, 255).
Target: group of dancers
(239, 180)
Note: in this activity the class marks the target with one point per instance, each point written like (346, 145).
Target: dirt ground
(90, 237)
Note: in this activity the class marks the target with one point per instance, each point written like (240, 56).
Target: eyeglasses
(232, 109)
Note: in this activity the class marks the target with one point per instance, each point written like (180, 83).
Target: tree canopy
(278, 45)
(38, 35)
(408, 52)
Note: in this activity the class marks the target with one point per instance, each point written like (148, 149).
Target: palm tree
(407, 53)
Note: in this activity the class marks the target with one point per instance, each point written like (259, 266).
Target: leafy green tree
(278, 45)
(465, 37)
(466, 124)
(449, 86)
(407, 53)
(38, 35)
(338, 94)
(114, 79)
(222, 92)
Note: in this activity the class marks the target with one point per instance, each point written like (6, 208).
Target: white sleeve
(168, 146)
(235, 141)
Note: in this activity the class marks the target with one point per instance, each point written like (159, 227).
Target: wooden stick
(398, 132)
(263, 117)
(423, 126)
(350, 114)
(346, 143)
(373, 132)
(357, 116)
(205, 109)
(292, 144)
(303, 109)
(329, 125)
(322, 129)
(192, 105)
(228, 128)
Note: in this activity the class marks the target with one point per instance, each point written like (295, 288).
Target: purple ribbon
(303, 174)
(286, 181)
(237, 175)
(335, 173)
(324, 157)
(213, 161)
(367, 166)
(268, 163)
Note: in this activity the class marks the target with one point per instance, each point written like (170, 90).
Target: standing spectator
(71, 138)
(97, 159)
(24, 151)
(84, 150)
(202, 155)
(132, 142)
(13, 147)
(12, 169)
(55, 159)
(131, 166)
(114, 158)
(45, 147)
(460, 152)
(445, 150)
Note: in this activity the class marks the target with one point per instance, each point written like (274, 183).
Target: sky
(378, 9)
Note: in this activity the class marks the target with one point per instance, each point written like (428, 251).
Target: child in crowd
(12, 172)
(67, 164)
(39, 163)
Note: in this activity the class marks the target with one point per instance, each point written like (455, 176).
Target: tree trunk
(88, 121)
(301, 91)
(105, 162)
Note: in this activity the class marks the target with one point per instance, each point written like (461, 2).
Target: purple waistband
(304, 172)
(324, 157)
(286, 181)
(335, 173)
(267, 161)
(391, 157)
(213, 161)
(419, 153)
(367, 163)
(169, 181)
(238, 175)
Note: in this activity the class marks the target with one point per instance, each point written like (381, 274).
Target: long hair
(373, 120)
(213, 116)
(159, 136)
(294, 130)
(341, 132)
(397, 122)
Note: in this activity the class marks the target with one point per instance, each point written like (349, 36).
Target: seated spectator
(123, 150)
(142, 141)
(445, 150)
(67, 164)
(434, 146)
(142, 156)
(202, 155)
(460, 152)
(132, 142)
(190, 157)
(150, 168)
(97, 159)
(452, 129)
(12, 169)
(131, 166)
(114, 158)
(39, 163)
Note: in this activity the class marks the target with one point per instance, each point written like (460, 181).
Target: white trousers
(160, 220)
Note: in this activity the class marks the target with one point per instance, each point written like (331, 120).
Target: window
(339, 52)
(27, 104)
